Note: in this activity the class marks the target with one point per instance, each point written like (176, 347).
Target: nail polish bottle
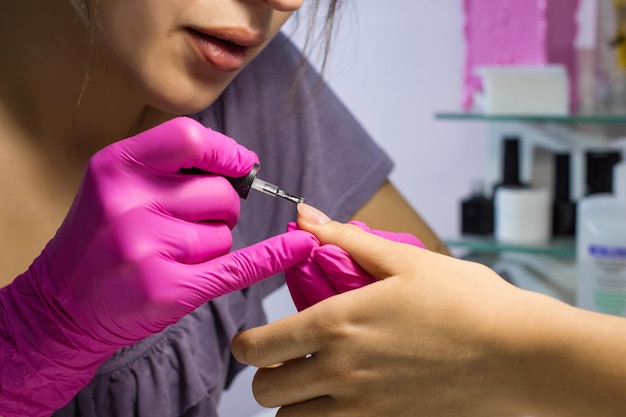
(477, 212)
(521, 213)
(510, 175)
(563, 208)
(599, 167)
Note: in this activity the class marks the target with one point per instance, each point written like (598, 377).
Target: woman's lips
(222, 53)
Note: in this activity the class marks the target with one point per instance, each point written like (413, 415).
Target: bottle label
(602, 279)
(607, 252)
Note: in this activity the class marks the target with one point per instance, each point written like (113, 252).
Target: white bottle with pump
(601, 248)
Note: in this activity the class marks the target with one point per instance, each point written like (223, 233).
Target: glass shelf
(617, 118)
(559, 247)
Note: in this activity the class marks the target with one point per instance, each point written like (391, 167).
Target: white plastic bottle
(601, 248)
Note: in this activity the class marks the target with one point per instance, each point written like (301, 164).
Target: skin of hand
(436, 336)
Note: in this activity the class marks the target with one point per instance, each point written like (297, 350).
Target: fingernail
(312, 215)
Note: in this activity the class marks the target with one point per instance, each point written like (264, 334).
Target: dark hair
(325, 32)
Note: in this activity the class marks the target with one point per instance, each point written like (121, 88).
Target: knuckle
(193, 134)
(185, 123)
(103, 161)
(240, 271)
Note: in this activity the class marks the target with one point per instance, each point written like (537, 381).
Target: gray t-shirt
(310, 145)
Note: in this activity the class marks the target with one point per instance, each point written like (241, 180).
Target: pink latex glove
(329, 270)
(142, 245)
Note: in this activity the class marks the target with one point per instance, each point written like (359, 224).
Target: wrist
(510, 336)
(532, 338)
(569, 361)
(45, 358)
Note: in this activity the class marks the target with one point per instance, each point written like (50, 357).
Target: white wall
(394, 65)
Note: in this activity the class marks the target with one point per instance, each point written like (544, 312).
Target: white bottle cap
(522, 215)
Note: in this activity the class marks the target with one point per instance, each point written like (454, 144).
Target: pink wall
(518, 32)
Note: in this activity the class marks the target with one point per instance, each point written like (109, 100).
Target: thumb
(378, 256)
(242, 268)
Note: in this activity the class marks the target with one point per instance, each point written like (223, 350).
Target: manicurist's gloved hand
(142, 245)
(329, 270)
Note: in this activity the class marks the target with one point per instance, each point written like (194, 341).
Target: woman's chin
(181, 107)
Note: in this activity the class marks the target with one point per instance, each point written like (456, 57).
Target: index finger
(242, 268)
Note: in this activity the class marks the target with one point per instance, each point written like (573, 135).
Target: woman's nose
(285, 5)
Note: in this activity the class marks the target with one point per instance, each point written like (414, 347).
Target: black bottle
(510, 176)
(477, 213)
(599, 176)
(563, 208)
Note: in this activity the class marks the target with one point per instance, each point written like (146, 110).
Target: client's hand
(434, 336)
